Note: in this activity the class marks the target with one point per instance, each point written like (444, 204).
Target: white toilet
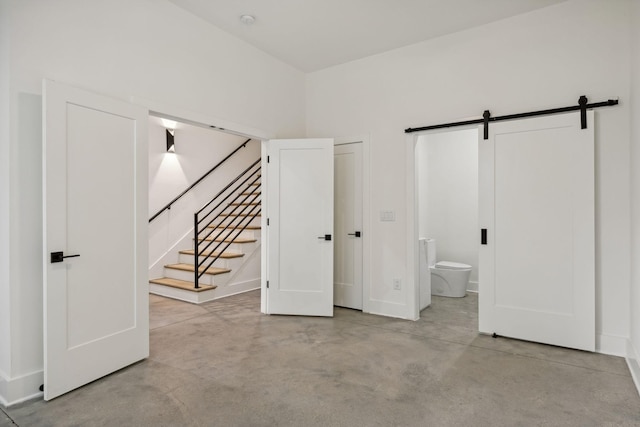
(448, 279)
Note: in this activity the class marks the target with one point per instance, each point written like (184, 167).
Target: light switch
(387, 216)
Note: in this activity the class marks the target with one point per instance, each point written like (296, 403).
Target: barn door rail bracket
(582, 106)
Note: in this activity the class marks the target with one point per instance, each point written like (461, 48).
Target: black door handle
(357, 234)
(483, 236)
(60, 256)
(325, 237)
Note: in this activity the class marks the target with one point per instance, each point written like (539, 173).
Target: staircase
(226, 232)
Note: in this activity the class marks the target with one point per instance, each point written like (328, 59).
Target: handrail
(250, 216)
(228, 186)
(168, 205)
(248, 179)
(233, 210)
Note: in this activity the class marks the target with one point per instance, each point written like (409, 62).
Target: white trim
(366, 214)
(264, 204)
(20, 389)
(633, 361)
(611, 345)
(388, 309)
(197, 119)
(204, 296)
(472, 286)
(412, 249)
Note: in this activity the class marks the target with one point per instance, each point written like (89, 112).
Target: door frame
(203, 120)
(412, 247)
(366, 213)
(183, 115)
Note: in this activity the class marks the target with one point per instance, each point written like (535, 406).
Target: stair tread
(245, 204)
(181, 284)
(191, 267)
(225, 255)
(228, 240)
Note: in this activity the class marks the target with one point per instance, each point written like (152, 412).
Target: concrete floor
(225, 364)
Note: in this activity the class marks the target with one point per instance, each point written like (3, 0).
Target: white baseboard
(611, 345)
(238, 288)
(204, 296)
(20, 389)
(472, 286)
(633, 361)
(388, 309)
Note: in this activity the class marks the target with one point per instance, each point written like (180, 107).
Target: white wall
(448, 195)
(543, 59)
(5, 360)
(634, 347)
(146, 49)
(198, 149)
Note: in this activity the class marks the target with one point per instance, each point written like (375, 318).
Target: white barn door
(96, 306)
(300, 227)
(537, 274)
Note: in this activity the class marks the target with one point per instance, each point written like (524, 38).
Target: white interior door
(95, 205)
(300, 227)
(537, 279)
(348, 226)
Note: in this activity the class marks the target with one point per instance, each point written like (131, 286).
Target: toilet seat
(449, 265)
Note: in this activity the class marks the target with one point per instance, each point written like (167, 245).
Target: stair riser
(230, 263)
(241, 247)
(229, 216)
(245, 234)
(206, 279)
(234, 221)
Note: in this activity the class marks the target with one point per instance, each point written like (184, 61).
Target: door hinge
(267, 159)
(267, 222)
(267, 284)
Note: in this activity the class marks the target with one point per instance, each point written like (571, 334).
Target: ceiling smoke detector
(247, 19)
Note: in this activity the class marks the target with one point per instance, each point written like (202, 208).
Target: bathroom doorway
(446, 169)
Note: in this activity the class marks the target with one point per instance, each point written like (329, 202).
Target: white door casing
(348, 226)
(300, 227)
(96, 317)
(537, 274)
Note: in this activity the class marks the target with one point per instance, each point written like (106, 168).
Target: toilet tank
(431, 252)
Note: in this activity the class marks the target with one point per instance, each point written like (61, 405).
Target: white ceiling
(314, 34)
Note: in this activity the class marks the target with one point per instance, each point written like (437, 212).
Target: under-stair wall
(196, 151)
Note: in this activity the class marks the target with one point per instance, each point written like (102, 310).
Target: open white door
(537, 268)
(300, 227)
(96, 317)
(348, 226)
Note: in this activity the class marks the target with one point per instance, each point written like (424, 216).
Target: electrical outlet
(396, 284)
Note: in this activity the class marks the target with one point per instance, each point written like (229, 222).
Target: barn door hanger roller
(582, 106)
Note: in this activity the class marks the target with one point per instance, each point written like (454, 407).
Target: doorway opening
(446, 179)
(216, 173)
